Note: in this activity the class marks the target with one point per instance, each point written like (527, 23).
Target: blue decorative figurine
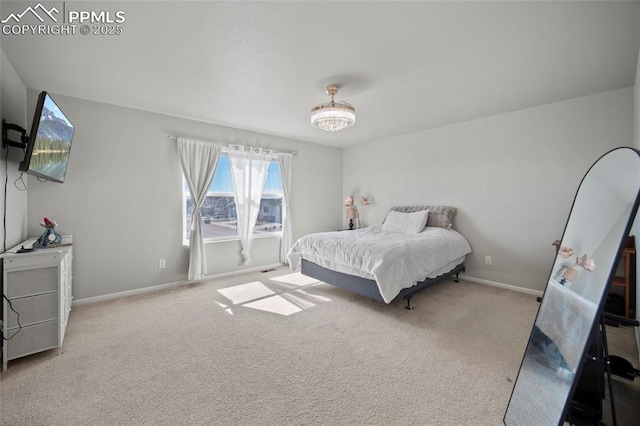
(49, 236)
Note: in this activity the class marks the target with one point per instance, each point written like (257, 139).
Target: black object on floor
(620, 367)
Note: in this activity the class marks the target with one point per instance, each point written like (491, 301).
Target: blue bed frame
(369, 288)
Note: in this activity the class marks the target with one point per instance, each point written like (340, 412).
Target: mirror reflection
(600, 219)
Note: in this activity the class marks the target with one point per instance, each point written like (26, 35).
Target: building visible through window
(219, 207)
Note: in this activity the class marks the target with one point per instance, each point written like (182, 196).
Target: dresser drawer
(32, 281)
(32, 339)
(33, 309)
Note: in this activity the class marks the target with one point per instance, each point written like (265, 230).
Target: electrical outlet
(162, 263)
(487, 260)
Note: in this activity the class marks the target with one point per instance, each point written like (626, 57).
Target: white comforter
(394, 260)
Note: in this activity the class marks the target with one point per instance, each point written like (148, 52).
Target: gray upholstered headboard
(441, 216)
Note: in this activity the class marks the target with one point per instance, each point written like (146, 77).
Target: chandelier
(333, 116)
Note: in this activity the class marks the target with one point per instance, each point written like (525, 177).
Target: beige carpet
(276, 348)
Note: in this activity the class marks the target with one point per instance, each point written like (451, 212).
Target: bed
(414, 248)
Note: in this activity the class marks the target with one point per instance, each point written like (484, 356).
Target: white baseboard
(502, 285)
(78, 302)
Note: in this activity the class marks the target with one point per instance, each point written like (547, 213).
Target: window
(219, 208)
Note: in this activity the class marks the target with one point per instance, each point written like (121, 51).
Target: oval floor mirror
(601, 217)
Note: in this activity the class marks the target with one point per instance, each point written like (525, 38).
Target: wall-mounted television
(47, 151)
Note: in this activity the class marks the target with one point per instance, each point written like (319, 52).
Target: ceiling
(405, 66)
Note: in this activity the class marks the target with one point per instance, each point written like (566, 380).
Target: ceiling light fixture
(333, 116)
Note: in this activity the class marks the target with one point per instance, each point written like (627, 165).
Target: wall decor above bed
(396, 259)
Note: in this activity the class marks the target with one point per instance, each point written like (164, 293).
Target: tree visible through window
(219, 208)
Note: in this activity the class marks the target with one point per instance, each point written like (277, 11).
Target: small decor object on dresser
(49, 236)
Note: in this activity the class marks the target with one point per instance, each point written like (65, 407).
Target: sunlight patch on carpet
(246, 292)
(298, 301)
(258, 295)
(226, 308)
(274, 304)
(296, 279)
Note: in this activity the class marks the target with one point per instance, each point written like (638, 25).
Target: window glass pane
(219, 209)
(273, 183)
(222, 182)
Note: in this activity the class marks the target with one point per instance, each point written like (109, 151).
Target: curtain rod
(294, 153)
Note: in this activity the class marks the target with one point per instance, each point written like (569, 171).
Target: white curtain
(249, 168)
(285, 160)
(199, 160)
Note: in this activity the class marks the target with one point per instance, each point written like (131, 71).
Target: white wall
(13, 108)
(513, 177)
(122, 197)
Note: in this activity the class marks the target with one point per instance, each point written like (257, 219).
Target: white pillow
(409, 223)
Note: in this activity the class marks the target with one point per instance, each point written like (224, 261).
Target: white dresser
(37, 286)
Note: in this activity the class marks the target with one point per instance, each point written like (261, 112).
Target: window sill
(255, 237)
(225, 240)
